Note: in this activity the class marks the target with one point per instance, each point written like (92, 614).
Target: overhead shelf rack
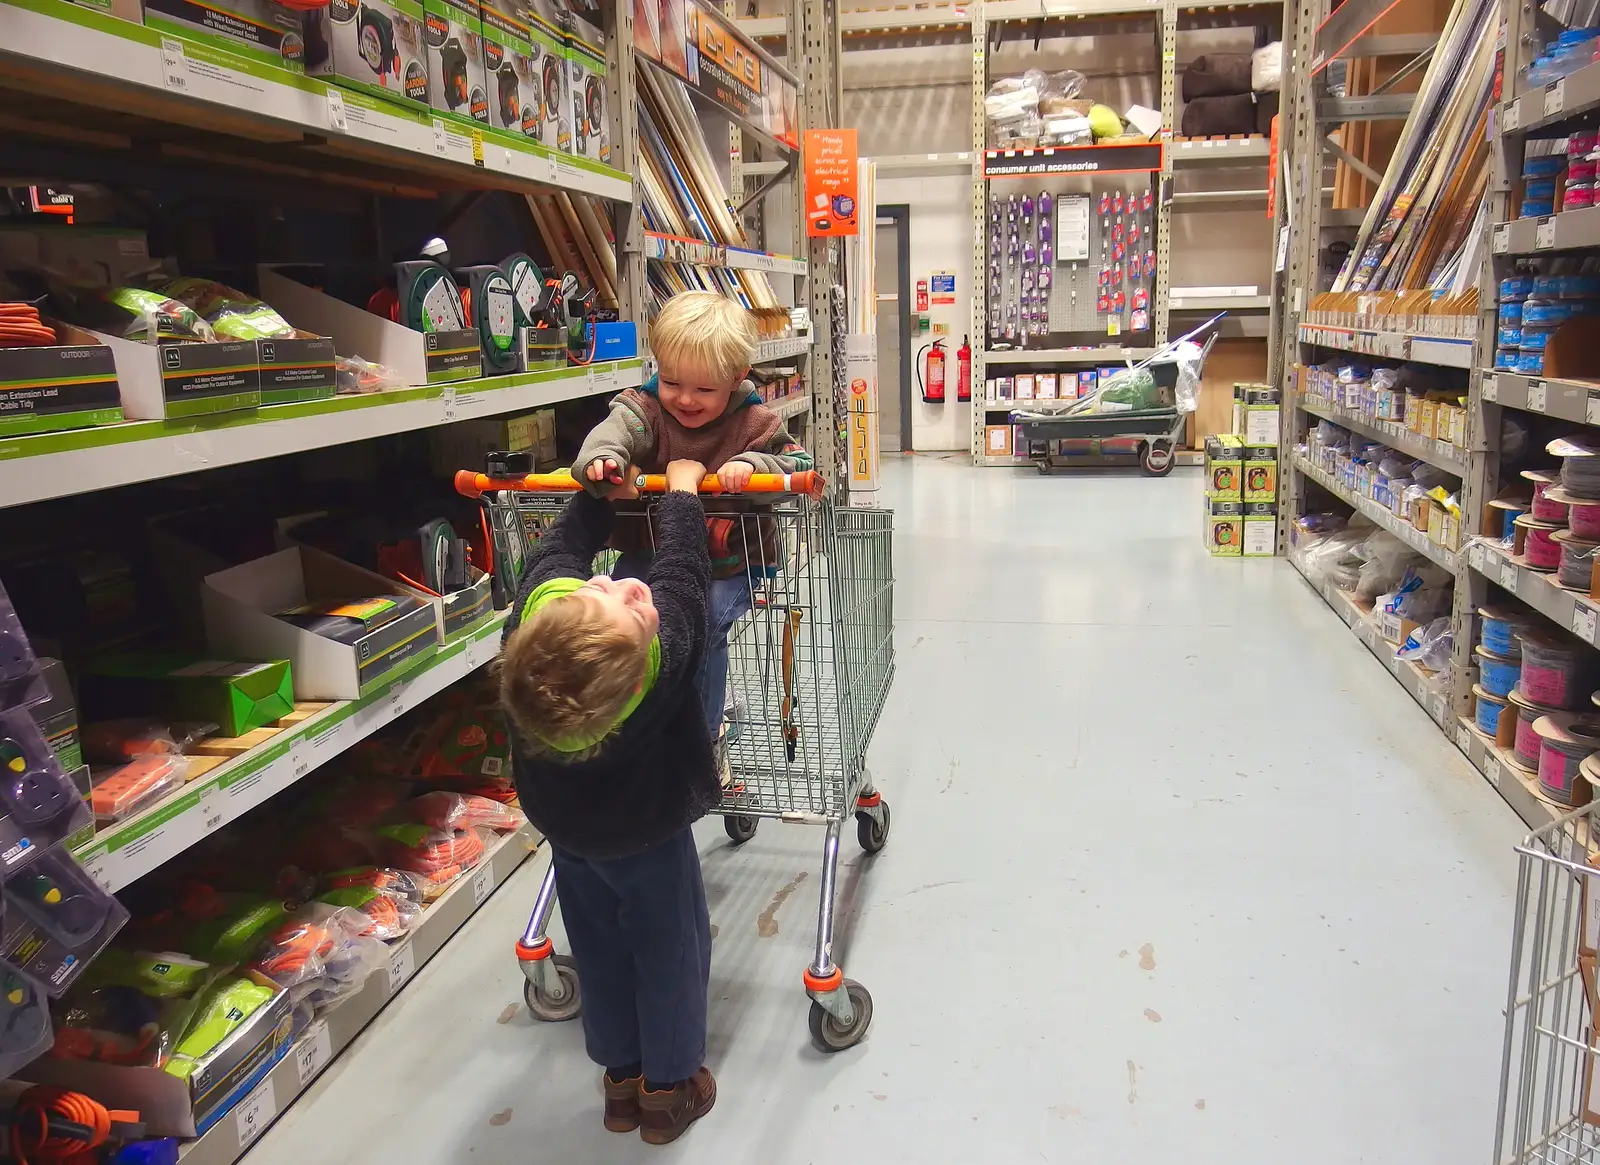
(1447, 351)
(673, 249)
(232, 106)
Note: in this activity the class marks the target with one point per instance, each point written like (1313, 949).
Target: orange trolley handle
(474, 485)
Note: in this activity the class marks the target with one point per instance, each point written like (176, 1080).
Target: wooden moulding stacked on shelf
(1423, 313)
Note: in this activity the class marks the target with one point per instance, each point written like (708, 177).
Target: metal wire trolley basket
(809, 669)
(1549, 1109)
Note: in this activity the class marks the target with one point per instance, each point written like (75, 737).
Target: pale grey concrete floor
(1176, 874)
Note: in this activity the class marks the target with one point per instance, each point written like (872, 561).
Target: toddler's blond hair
(566, 673)
(703, 331)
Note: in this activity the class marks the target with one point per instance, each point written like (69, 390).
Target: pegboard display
(1069, 264)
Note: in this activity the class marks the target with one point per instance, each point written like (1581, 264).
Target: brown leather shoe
(665, 1116)
(622, 1103)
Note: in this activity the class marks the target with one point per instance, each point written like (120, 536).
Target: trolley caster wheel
(1156, 458)
(740, 828)
(556, 1010)
(832, 1036)
(870, 833)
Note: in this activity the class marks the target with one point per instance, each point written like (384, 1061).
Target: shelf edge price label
(1591, 407)
(438, 137)
(1508, 575)
(174, 65)
(482, 884)
(448, 396)
(1555, 98)
(1464, 738)
(1513, 117)
(1537, 396)
(398, 694)
(1544, 235)
(256, 1111)
(1439, 708)
(1500, 240)
(1475, 556)
(210, 810)
(336, 112)
(313, 1051)
(402, 965)
(100, 868)
(1583, 621)
(1491, 769)
(1490, 387)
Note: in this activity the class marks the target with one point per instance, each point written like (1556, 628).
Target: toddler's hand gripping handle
(475, 485)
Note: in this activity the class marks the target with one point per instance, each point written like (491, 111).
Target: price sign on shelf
(1544, 235)
(1508, 575)
(336, 112)
(1513, 117)
(1591, 407)
(399, 693)
(210, 809)
(438, 137)
(313, 1051)
(1439, 708)
(482, 884)
(1536, 396)
(100, 868)
(1500, 241)
(1491, 769)
(1464, 738)
(1490, 387)
(1555, 98)
(402, 965)
(1475, 556)
(1583, 621)
(174, 65)
(255, 1112)
(448, 396)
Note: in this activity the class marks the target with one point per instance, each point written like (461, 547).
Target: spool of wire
(1577, 561)
(1502, 632)
(1565, 741)
(1580, 465)
(1583, 514)
(1525, 750)
(1544, 508)
(1539, 549)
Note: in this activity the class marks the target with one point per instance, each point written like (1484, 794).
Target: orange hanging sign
(830, 166)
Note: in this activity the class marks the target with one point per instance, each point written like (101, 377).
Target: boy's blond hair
(705, 332)
(565, 676)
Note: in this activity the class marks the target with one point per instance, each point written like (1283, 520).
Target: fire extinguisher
(933, 386)
(964, 369)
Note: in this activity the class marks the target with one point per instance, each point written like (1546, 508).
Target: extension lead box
(170, 380)
(258, 29)
(417, 358)
(452, 32)
(522, 63)
(586, 79)
(344, 630)
(296, 368)
(375, 46)
(170, 1103)
(69, 385)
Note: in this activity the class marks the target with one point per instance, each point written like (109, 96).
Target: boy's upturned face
(624, 603)
(693, 397)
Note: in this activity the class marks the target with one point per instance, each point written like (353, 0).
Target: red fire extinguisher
(964, 369)
(933, 386)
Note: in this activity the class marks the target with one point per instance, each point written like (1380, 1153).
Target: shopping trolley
(809, 669)
(1549, 1110)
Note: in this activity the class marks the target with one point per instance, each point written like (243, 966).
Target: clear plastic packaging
(25, 1031)
(1430, 646)
(57, 920)
(39, 805)
(390, 899)
(313, 942)
(119, 791)
(352, 374)
(232, 314)
(118, 741)
(1190, 358)
(437, 856)
(1266, 68)
(21, 681)
(444, 810)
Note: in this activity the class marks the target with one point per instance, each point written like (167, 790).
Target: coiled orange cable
(32, 1139)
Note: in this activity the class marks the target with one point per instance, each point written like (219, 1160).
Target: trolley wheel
(740, 827)
(1156, 458)
(556, 1010)
(832, 1036)
(869, 832)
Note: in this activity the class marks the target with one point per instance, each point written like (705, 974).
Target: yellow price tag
(477, 147)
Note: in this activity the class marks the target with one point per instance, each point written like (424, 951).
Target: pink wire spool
(1544, 509)
(1583, 514)
(1550, 670)
(1565, 740)
(1525, 750)
(1540, 551)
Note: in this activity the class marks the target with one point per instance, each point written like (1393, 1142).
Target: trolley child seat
(809, 669)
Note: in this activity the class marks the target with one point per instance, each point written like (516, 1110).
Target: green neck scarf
(560, 588)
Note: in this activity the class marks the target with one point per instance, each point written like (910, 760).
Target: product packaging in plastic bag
(232, 314)
(119, 741)
(1190, 358)
(132, 313)
(438, 857)
(117, 792)
(1309, 529)
(110, 1025)
(311, 943)
(1011, 99)
(444, 810)
(1266, 68)
(1431, 645)
(390, 899)
(57, 920)
(216, 1014)
(1386, 560)
(352, 374)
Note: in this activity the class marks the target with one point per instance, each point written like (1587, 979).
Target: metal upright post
(979, 274)
(1168, 46)
(627, 219)
(813, 58)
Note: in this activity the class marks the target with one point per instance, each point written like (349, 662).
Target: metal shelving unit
(229, 126)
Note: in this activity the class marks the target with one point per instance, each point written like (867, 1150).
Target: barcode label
(312, 1053)
(174, 66)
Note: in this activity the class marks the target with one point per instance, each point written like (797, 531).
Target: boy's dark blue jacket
(655, 774)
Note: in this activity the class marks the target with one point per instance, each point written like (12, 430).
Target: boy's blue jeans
(726, 601)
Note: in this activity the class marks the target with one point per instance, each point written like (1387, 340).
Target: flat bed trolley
(1151, 435)
(809, 669)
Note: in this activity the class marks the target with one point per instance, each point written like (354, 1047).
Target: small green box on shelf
(236, 695)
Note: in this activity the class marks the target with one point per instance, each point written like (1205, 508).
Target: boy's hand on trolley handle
(734, 476)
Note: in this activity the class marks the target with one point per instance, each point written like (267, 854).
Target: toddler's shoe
(665, 1116)
(622, 1103)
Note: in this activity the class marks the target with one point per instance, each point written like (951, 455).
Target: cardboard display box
(259, 29)
(464, 444)
(1259, 534)
(69, 385)
(296, 369)
(242, 605)
(1224, 528)
(511, 71)
(1260, 469)
(1225, 467)
(419, 358)
(586, 73)
(452, 31)
(372, 45)
(236, 695)
(171, 380)
(997, 440)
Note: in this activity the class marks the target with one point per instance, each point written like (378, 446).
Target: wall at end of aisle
(941, 240)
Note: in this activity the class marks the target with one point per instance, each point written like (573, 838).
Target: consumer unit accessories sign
(1134, 157)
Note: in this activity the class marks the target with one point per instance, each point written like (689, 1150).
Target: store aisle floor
(1176, 874)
